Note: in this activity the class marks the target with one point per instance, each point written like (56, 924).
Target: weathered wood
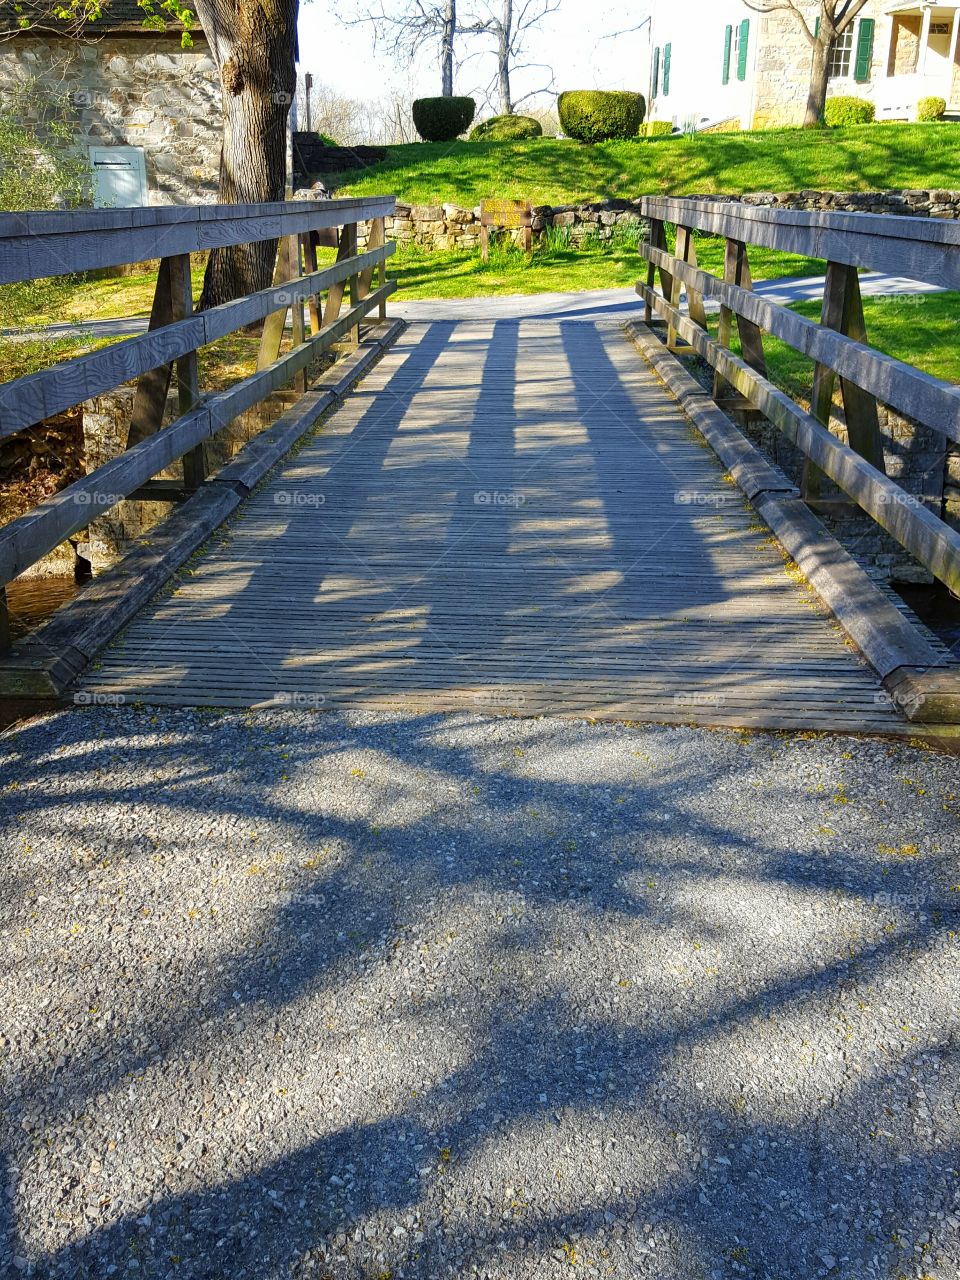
(188, 380)
(686, 251)
(33, 245)
(411, 585)
(5, 639)
(917, 248)
(25, 540)
(27, 400)
(922, 533)
(61, 646)
(272, 336)
(150, 397)
(905, 388)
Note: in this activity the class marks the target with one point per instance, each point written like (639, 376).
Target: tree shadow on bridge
(570, 999)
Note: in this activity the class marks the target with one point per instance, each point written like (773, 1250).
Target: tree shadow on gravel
(561, 994)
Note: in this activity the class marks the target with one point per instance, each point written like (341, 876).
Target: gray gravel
(303, 995)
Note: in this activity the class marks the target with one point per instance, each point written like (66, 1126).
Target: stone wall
(449, 226)
(136, 90)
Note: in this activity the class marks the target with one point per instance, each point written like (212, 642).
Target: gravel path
(304, 995)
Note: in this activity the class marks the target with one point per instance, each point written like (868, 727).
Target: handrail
(837, 345)
(918, 248)
(42, 244)
(34, 245)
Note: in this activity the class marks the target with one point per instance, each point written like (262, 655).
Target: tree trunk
(504, 38)
(817, 97)
(446, 46)
(253, 44)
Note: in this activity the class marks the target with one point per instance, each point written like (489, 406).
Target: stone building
(714, 62)
(147, 111)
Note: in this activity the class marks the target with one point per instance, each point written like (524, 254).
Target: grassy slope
(920, 330)
(548, 171)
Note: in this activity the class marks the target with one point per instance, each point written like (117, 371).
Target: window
(838, 60)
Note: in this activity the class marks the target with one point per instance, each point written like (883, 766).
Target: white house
(716, 62)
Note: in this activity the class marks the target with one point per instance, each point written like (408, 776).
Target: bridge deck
(496, 519)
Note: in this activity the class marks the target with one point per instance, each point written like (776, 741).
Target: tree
(832, 19)
(510, 25)
(415, 24)
(253, 45)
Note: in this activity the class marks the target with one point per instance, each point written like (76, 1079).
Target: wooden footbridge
(530, 516)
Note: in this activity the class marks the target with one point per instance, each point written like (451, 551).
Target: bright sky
(570, 40)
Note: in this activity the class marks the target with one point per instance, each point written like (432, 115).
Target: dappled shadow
(554, 975)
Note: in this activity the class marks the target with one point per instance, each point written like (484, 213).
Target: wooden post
(736, 270)
(346, 249)
(843, 312)
(188, 378)
(686, 252)
(309, 244)
(375, 240)
(276, 322)
(658, 238)
(150, 397)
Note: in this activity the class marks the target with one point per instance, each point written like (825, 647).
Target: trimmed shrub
(443, 119)
(656, 129)
(931, 108)
(593, 115)
(844, 110)
(506, 129)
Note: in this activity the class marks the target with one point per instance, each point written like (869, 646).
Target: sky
(570, 40)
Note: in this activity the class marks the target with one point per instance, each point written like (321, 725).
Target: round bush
(443, 119)
(931, 108)
(843, 110)
(506, 129)
(592, 115)
(656, 129)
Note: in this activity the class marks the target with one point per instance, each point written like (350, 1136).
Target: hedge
(846, 110)
(443, 119)
(656, 129)
(592, 115)
(506, 129)
(931, 108)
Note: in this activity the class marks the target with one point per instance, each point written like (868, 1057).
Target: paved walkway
(510, 514)
(291, 996)
(588, 305)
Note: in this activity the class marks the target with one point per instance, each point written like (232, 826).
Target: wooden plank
(901, 386)
(398, 587)
(52, 656)
(34, 245)
(923, 534)
(25, 540)
(27, 400)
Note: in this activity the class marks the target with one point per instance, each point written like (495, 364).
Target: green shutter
(727, 46)
(667, 50)
(742, 58)
(656, 71)
(861, 70)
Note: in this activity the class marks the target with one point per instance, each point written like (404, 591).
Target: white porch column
(924, 39)
(954, 34)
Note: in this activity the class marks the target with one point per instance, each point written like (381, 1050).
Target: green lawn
(559, 268)
(548, 171)
(920, 330)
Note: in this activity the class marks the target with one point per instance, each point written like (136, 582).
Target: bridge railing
(917, 248)
(37, 245)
